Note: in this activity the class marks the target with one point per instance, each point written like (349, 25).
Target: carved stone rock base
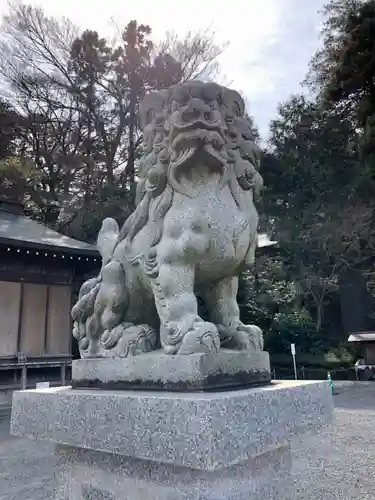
(90, 475)
(231, 445)
(226, 369)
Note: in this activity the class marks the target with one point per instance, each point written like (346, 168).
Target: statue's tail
(100, 317)
(101, 306)
(84, 307)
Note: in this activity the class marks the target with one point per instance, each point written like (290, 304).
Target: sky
(270, 42)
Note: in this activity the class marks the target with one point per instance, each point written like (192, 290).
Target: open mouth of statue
(180, 126)
(188, 145)
(196, 138)
(195, 141)
(208, 143)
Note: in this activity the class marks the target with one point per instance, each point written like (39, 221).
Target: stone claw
(242, 337)
(203, 337)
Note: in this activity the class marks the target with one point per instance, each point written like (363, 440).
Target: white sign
(293, 349)
(42, 385)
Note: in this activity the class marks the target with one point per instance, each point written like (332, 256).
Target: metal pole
(295, 367)
(293, 351)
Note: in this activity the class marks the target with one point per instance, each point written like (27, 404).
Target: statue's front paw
(202, 337)
(128, 340)
(242, 337)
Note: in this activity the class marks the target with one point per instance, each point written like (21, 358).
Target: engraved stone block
(226, 369)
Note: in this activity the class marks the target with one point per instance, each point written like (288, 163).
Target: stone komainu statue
(194, 228)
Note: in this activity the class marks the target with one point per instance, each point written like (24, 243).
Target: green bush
(318, 361)
(296, 327)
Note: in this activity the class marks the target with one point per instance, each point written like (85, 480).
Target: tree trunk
(319, 315)
(131, 150)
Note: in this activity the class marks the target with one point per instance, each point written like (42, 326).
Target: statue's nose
(196, 110)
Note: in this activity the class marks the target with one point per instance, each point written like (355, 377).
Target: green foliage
(312, 157)
(265, 291)
(319, 176)
(294, 327)
(317, 207)
(78, 96)
(321, 361)
(8, 129)
(109, 201)
(18, 176)
(343, 70)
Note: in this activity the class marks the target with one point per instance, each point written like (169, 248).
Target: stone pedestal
(89, 475)
(227, 369)
(143, 445)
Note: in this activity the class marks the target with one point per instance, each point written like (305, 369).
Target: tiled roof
(17, 229)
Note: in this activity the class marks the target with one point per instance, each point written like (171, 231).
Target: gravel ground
(337, 465)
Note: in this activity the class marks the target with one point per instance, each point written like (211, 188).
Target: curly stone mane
(154, 195)
(158, 165)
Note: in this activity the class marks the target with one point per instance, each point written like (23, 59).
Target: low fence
(26, 374)
(314, 373)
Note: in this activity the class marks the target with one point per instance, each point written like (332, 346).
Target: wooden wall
(370, 354)
(35, 319)
(10, 302)
(59, 328)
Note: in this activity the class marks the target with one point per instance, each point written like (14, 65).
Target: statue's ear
(233, 102)
(151, 105)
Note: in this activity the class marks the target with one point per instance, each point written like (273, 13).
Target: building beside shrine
(40, 272)
(365, 366)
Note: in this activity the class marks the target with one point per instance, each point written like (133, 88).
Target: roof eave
(53, 248)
